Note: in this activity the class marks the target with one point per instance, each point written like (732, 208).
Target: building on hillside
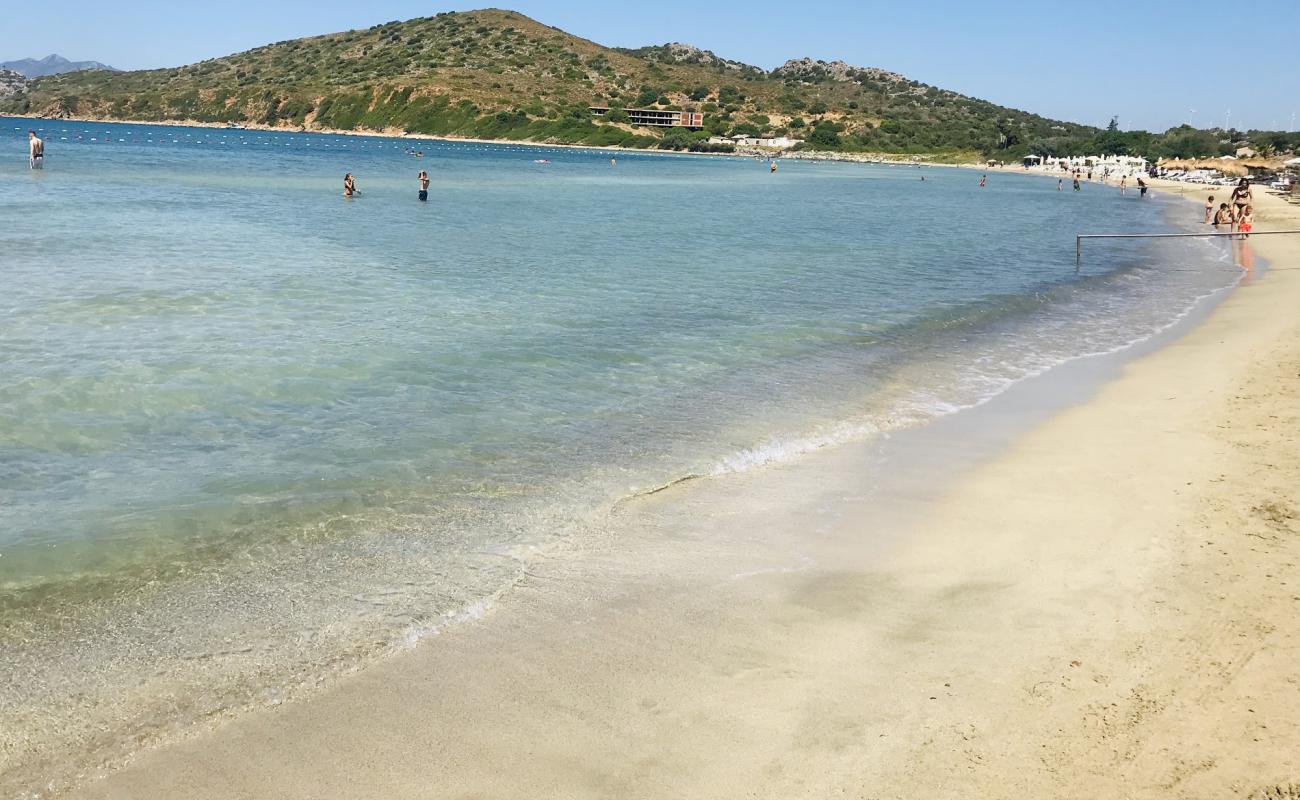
(657, 118)
(1246, 152)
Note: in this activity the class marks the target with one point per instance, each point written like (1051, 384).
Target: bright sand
(1106, 607)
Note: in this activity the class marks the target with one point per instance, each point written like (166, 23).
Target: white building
(776, 142)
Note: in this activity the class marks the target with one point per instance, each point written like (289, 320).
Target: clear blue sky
(1149, 62)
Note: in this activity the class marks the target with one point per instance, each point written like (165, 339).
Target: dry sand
(1107, 607)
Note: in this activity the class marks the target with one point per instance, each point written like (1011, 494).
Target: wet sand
(1105, 605)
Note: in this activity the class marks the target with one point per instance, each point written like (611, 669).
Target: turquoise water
(252, 433)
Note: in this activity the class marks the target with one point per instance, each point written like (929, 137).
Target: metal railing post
(1078, 239)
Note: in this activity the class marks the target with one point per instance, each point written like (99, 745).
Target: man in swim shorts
(35, 151)
(424, 186)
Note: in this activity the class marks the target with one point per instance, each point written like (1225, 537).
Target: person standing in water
(349, 185)
(983, 178)
(1209, 210)
(1059, 183)
(1123, 184)
(1142, 187)
(1077, 185)
(613, 161)
(773, 166)
(424, 186)
(35, 151)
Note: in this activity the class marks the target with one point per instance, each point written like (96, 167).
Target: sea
(255, 434)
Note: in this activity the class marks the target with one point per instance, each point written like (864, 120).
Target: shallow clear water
(252, 432)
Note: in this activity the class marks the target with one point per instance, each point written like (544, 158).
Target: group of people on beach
(1238, 215)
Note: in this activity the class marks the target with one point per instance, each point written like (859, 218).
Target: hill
(499, 74)
(11, 83)
(53, 64)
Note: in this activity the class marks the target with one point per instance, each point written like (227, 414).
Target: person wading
(35, 151)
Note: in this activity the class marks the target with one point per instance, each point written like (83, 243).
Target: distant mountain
(50, 65)
(497, 74)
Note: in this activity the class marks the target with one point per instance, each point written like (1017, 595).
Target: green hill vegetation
(497, 74)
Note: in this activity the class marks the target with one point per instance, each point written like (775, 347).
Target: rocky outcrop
(807, 69)
(679, 53)
(11, 83)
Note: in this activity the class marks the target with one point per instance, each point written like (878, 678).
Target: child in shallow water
(1246, 221)
(1223, 216)
(1209, 210)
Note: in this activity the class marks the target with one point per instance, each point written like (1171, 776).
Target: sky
(1151, 63)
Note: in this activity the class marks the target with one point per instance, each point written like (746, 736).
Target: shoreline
(759, 615)
(814, 155)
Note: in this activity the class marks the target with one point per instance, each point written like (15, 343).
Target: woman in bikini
(1242, 196)
(349, 185)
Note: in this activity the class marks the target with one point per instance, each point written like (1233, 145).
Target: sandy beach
(1066, 592)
